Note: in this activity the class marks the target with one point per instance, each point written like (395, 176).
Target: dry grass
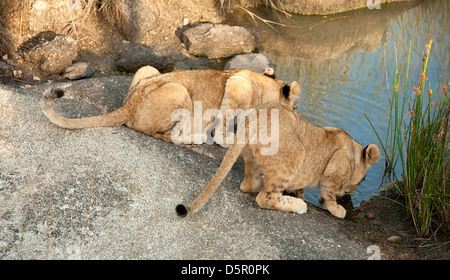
(110, 9)
(276, 6)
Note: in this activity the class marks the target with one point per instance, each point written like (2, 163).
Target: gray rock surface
(110, 193)
(219, 40)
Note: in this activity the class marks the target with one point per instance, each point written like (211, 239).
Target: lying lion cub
(308, 156)
(153, 97)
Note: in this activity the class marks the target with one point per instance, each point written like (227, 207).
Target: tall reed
(416, 139)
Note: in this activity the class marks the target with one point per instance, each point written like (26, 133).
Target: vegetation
(109, 8)
(416, 140)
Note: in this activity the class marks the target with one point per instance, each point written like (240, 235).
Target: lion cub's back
(203, 85)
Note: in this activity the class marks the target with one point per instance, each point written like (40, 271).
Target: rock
(3, 246)
(135, 19)
(36, 79)
(78, 71)
(322, 7)
(5, 66)
(134, 56)
(219, 40)
(128, 182)
(40, 38)
(17, 74)
(370, 216)
(53, 55)
(394, 239)
(257, 62)
(5, 69)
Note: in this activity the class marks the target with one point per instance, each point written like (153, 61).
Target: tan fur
(152, 97)
(308, 156)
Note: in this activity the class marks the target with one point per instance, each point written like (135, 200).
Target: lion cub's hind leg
(153, 115)
(236, 88)
(271, 197)
(253, 180)
(141, 74)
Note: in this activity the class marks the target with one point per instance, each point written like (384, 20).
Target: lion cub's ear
(291, 91)
(269, 72)
(371, 153)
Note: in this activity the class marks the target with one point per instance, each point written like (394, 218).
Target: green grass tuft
(416, 140)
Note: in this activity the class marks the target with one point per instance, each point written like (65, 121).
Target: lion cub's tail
(227, 163)
(115, 118)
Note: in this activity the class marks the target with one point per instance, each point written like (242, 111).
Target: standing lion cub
(308, 156)
(153, 97)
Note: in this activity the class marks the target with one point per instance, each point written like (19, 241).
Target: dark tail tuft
(181, 210)
(54, 93)
(57, 92)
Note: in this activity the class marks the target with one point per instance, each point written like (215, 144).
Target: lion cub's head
(288, 92)
(369, 155)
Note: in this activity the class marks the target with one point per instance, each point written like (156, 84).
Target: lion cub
(154, 97)
(308, 156)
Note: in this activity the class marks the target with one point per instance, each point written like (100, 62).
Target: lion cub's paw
(300, 206)
(337, 211)
(224, 145)
(246, 186)
(53, 93)
(251, 186)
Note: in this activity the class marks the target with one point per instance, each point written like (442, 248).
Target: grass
(416, 144)
(283, 10)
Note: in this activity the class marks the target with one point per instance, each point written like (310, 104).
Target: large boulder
(48, 176)
(320, 7)
(52, 54)
(219, 40)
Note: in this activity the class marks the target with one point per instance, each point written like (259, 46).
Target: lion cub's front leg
(328, 200)
(330, 183)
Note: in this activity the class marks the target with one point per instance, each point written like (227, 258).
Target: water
(345, 64)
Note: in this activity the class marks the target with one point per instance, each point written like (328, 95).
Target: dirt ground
(377, 219)
(101, 44)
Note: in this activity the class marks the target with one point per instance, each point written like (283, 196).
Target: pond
(346, 63)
